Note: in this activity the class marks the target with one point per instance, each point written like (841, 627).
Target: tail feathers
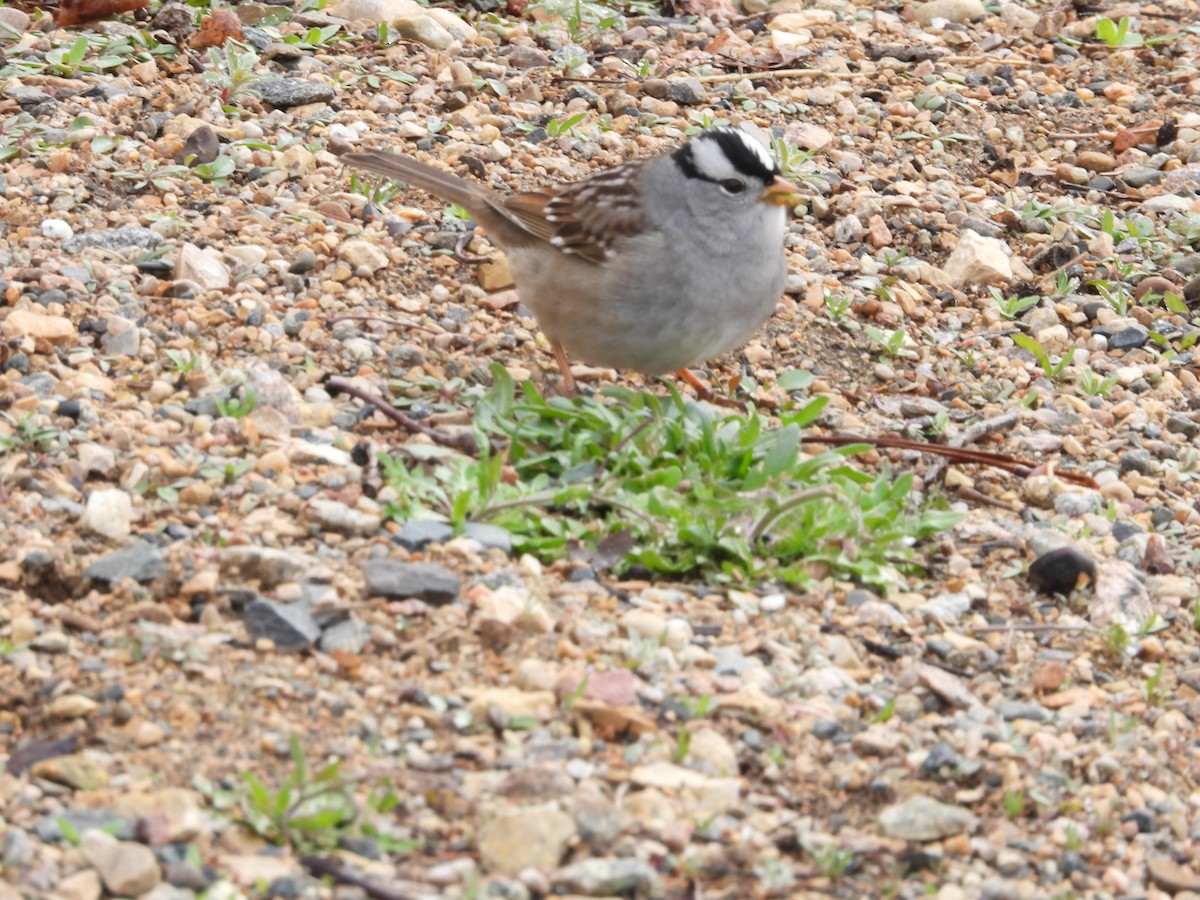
(404, 168)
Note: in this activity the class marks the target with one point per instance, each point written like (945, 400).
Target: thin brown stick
(975, 496)
(1072, 135)
(463, 442)
(959, 454)
(399, 323)
(971, 435)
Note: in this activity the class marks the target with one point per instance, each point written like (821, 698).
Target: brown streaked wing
(585, 217)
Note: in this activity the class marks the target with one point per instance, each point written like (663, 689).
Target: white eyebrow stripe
(711, 162)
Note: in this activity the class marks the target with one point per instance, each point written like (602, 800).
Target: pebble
(57, 230)
(203, 267)
(607, 878)
(288, 626)
(429, 582)
(109, 513)
(534, 837)
(21, 323)
(284, 93)
(141, 562)
(923, 819)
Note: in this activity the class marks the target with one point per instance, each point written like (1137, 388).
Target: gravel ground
(209, 598)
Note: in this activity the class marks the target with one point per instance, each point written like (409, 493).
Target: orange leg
(705, 393)
(564, 366)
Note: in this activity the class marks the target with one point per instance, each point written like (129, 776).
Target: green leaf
(796, 380)
(77, 52)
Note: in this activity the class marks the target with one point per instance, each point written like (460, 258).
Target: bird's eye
(733, 185)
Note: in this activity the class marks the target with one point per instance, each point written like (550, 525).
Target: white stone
(204, 267)
(109, 513)
(978, 260)
(57, 230)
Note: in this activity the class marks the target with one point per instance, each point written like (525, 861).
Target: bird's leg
(564, 366)
(703, 392)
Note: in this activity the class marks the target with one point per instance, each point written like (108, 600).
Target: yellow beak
(780, 192)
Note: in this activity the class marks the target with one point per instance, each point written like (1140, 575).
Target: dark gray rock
(687, 91)
(942, 759)
(493, 537)
(201, 147)
(429, 582)
(1136, 461)
(142, 562)
(289, 626)
(418, 534)
(1137, 178)
(284, 93)
(1178, 423)
(1129, 338)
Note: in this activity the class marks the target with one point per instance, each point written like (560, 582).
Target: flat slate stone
(142, 562)
(429, 582)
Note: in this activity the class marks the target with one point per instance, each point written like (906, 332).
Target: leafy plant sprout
(1011, 307)
(719, 496)
(233, 71)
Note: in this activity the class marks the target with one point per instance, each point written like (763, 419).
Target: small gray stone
(1077, 503)
(114, 239)
(1129, 338)
(16, 850)
(429, 582)
(121, 337)
(687, 91)
(946, 607)
(493, 537)
(1178, 423)
(348, 636)
(40, 383)
(607, 878)
(27, 96)
(941, 756)
(417, 534)
(921, 818)
(269, 566)
(1136, 461)
(200, 148)
(1137, 178)
(305, 261)
(289, 626)
(284, 93)
(143, 562)
(1010, 710)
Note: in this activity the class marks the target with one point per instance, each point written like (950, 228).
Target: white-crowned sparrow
(653, 265)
